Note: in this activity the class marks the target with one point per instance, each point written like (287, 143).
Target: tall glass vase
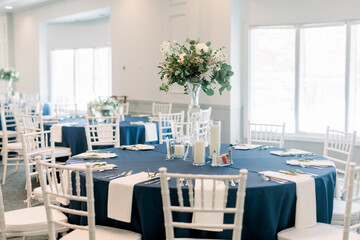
(194, 114)
(9, 90)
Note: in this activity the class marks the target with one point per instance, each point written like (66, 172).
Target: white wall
(138, 27)
(71, 35)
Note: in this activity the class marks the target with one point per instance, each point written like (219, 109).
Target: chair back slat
(266, 133)
(164, 108)
(46, 171)
(102, 131)
(219, 184)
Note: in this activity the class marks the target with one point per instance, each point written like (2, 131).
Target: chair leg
(5, 156)
(17, 166)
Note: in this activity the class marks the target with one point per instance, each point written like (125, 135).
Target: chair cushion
(103, 233)
(37, 194)
(339, 212)
(14, 146)
(62, 152)
(10, 133)
(321, 231)
(30, 219)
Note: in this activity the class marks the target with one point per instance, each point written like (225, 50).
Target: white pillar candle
(179, 150)
(199, 152)
(215, 139)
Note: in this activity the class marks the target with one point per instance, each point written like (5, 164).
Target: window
(272, 75)
(307, 76)
(322, 79)
(80, 75)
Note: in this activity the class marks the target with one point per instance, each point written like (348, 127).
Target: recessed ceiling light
(9, 7)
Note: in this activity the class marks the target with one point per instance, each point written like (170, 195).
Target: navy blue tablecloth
(269, 206)
(75, 137)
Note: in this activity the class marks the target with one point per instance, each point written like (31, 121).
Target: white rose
(181, 57)
(164, 47)
(201, 46)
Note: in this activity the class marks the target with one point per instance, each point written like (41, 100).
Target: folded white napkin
(305, 215)
(96, 166)
(246, 146)
(318, 163)
(150, 130)
(95, 155)
(137, 123)
(138, 147)
(290, 152)
(120, 196)
(140, 115)
(205, 217)
(58, 130)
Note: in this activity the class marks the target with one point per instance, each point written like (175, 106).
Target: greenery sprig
(195, 62)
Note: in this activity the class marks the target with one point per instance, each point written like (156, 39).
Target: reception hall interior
(191, 119)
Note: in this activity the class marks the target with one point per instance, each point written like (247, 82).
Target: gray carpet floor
(14, 192)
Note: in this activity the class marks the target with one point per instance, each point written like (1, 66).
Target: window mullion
(347, 74)
(297, 77)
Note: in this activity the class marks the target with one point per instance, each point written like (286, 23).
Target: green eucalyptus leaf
(208, 44)
(209, 92)
(192, 42)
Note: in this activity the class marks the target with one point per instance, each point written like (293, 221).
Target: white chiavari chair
(10, 123)
(26, 222)
(11, 151)
(167, 123)
(69, 190)
(102, 131)
(36, 144)
(323, 231)
(34, 123)
(182, 132)
(205, 115)
(266, 133)
(339, 147)
(164, 108)
(215, 204)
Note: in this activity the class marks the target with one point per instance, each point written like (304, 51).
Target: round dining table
(74, 136)
(269, 205)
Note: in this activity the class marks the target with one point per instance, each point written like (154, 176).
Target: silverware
(129, 173)
(232, 183)
(307, 173)
(157, 179)
(117, 176)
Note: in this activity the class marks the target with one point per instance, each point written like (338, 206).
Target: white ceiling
(102, 13)
(19, 5)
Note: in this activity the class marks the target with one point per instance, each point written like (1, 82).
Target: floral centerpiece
(105, 107)
(194, 65)
(8, 74)
(194, 62)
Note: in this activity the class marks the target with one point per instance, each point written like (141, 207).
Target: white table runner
(305, 215)
(120, 196)
(58, 130)
(150, 131)
(205, 217)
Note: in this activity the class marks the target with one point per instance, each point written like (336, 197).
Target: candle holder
(215, 134)
(178, 149)
(199, 152)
